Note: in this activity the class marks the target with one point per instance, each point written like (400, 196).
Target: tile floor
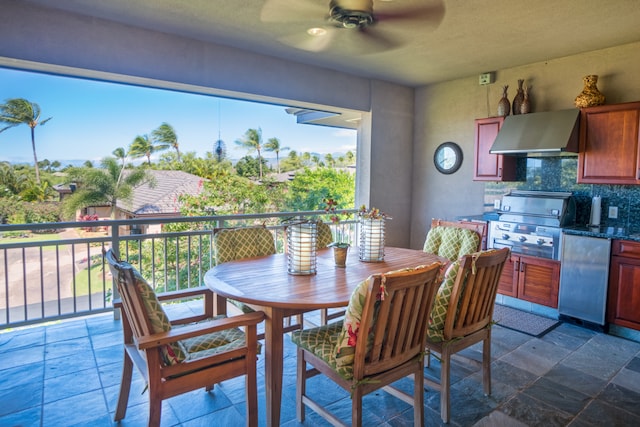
(67, 374)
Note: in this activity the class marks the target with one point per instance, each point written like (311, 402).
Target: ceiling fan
(350, 26)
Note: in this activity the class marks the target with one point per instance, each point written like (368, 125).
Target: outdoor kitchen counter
(604, 232)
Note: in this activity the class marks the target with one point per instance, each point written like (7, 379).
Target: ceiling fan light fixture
(351, 13)
(317, 32)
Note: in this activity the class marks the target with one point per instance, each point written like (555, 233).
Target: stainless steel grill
(530, 222)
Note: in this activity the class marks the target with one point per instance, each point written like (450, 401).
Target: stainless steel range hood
(553, 133)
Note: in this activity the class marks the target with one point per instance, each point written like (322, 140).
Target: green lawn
(82, 280)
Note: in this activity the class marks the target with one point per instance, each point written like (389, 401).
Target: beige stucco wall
(109, 50)
(446, 112)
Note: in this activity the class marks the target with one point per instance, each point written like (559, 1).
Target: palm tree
(273, 144)
(120, 154)
(19, 111)
(166, 135)
(105, 185)
(141, 147)
(253, 141)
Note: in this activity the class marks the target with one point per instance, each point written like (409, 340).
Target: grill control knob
(505, 236)
(522, 239)
(540, 241)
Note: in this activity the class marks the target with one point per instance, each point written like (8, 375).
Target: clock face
(448, 157)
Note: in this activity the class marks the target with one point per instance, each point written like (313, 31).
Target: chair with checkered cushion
(380, 341)
(454, 239)
(180, 355)
(232, 244)
(462, 315)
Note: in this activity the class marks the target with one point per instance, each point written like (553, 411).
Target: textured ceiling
(435, 40)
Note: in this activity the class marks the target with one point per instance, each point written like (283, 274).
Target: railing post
(115, 247)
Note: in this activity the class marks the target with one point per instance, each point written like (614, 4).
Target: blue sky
(92, 118)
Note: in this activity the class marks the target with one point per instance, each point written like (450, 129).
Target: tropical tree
(105, 185)
(19, 111)
(120, 154)
(330, 160)
(309, 188)
(165, 135)
(252, 140)
(142, 146)
(273, 144)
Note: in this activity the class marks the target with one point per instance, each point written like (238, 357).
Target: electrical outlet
(613, 212)
(487, 78)
(496, 204)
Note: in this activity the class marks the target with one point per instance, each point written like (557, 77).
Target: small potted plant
(340, 243)
(372, 234)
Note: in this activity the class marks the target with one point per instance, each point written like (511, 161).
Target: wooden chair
(231, 244)
(394, 307)
(480, 227)
(462, 315)
(178, 356)
(454, 239)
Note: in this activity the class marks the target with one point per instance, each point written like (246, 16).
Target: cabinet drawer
(626, 248)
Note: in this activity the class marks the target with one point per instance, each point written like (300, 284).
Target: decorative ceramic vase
(372, 240)
(517, 100)
(301, 248)
(340, 256)
(590, 95)
(504, 105)
(525, 106)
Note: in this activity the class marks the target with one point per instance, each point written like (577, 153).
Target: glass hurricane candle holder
(301, 248)
(371, 240)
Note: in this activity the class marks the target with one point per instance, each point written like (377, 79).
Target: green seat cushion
(214, 343)
(324, 237)
(238, 243)
(232, 244)
(322, 342)
(171, 353)
(441, 304)
(451, 242)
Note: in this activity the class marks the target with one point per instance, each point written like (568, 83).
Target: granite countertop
(604, 232)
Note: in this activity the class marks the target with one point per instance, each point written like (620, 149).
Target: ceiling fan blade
(289, 11)
(431, 14)
(366, 41)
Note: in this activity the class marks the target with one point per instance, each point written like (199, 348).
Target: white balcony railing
(64, 275)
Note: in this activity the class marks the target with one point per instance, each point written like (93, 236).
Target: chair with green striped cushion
(452, 242)
(380, 341)
(231, 244)
(179, 355)
(462, 316)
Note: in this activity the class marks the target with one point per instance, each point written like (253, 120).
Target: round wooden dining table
(264, 284)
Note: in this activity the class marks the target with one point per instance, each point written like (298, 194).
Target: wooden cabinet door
(623, 299)
(487, 166)
(508, 284)
(623, 307)
(610, 144)
(538, 280)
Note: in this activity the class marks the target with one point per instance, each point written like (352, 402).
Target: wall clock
(448, 157)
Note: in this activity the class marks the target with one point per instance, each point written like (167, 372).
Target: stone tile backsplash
(559, 174)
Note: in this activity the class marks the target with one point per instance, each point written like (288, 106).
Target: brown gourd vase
(525, 106)
(504, 106)
(590, 95)
(517, 100)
